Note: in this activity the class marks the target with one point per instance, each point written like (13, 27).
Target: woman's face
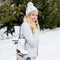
(34, 16)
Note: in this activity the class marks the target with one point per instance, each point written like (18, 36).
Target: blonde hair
(30, 23)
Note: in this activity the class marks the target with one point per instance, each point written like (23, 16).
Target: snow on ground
(4, 36)
(49, 46)
(7, 50)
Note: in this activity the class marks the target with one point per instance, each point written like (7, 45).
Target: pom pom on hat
(30, 8)
(30, 4)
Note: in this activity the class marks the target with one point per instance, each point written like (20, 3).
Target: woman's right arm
(32, 38)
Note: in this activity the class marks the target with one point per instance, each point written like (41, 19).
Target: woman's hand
(33, 25)
(18, 51)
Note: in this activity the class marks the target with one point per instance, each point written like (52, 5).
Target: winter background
(49, 45)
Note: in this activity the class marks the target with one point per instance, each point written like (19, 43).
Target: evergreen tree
(10, 15)
(13, 11)
(58, 13)
(47, 13)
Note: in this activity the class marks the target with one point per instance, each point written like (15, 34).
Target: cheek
(33, 19)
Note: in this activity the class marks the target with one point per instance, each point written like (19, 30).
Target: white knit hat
(30, 8)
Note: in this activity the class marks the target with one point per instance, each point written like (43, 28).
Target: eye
(33, 14)
(36, 15)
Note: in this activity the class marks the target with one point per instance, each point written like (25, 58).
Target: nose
(35, 17)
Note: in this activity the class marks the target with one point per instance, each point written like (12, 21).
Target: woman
(30, 31)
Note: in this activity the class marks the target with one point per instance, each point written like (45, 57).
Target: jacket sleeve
(32, 38)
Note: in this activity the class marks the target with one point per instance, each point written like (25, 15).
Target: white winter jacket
(32, 39)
